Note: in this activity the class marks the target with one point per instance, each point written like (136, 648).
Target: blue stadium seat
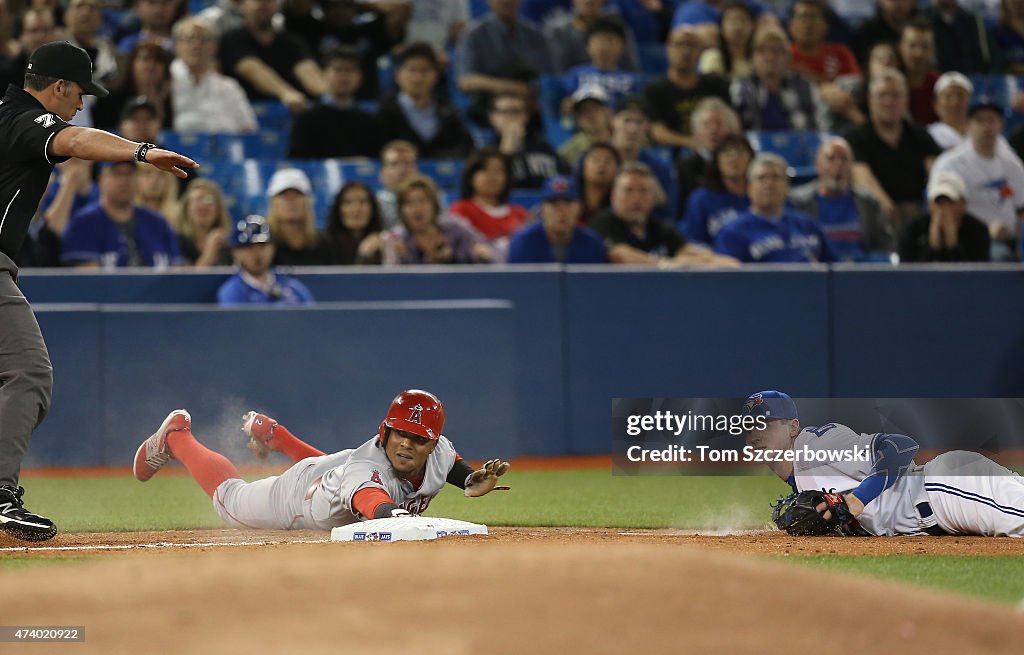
(385, 75)
(197, 145)
(653, 60)
(445, 172)
(272, 115)
(995, 88)
(478, 8)
(362, 170)
(529, 198)
(551, 94)
(258, 145)
(325, 174)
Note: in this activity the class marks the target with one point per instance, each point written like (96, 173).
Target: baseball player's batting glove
(484, 479)
(798, 514)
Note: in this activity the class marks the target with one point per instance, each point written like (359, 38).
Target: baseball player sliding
(957, 493)
(395, 473)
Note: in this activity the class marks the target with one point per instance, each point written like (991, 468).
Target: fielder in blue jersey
(256, 282)
(956, 493)
(770, 231)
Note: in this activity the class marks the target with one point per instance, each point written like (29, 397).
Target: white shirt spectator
(216, 103)
(995, 187)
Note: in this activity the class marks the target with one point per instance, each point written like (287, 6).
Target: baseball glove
(798, 514)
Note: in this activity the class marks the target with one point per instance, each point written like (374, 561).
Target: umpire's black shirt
(26, 135)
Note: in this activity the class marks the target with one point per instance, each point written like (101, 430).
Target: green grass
(998, 578)
(582, 498)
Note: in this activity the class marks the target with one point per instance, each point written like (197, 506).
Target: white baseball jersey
(893, 512)
(967, 492)
(316, 493)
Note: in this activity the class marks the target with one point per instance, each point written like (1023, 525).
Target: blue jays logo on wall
(417, 414)
(752, 402)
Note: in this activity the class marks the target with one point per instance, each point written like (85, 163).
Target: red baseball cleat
(154, 452)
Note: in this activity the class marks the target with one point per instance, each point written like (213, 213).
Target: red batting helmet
(415, 411)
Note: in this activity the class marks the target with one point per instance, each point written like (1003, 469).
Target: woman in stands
(426, 236)
(484, 198)
(597, 169)
(293, 221)
(147, 73)
(203, 224)
(732, 57)
(353, 232)
(723, 193)
(157, 190)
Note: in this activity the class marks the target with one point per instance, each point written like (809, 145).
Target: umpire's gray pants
(26, 377)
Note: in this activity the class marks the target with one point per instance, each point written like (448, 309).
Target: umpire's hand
(169, 161)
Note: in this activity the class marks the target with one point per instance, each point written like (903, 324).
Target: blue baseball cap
(251, 230)
(771, 404)
(560, 187)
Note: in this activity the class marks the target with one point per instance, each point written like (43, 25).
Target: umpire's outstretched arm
(97, 145)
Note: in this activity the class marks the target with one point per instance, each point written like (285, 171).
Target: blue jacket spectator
(769, 232)
(255, 282)
(723, 194)
(557, 237)
(115, 232)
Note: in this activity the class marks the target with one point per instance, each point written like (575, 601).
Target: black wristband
(140, 152)
(459, 473)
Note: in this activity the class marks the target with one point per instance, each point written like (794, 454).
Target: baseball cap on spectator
(559, 187)
(953, 78)
(592, 92)
(288, 178)
(66, 61)
(139, 102)
(771, 404)
(946, 184)
(632, 103)
(984, 103)
(250, 230)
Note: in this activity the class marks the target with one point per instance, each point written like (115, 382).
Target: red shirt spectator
(492, 222)
(484, 196)
(831, 61)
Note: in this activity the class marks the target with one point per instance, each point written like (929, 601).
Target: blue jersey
(792, 238)
(666, 175)
(91, 236)
(283, 290)
(530, 245)
(707, 210)
(841, 224)
(617, 83)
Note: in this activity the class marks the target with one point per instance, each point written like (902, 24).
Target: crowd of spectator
(627, 131)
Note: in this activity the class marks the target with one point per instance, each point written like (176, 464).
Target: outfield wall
(527, 358)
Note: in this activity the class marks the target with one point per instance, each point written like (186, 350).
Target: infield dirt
(520, 590)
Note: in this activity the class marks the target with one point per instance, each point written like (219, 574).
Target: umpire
(35, 135)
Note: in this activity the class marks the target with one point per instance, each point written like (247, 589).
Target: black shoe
(17, 521)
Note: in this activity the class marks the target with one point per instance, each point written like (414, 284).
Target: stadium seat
(445, 172)
(653, 60)
(195, 145)
(272, 115)
(324, 174)
(266, 144)
(362, 170)
(385, 75)
(551, 94)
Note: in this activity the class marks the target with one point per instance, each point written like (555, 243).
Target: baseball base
(408, 528)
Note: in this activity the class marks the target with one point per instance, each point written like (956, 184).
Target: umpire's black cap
(63, 60)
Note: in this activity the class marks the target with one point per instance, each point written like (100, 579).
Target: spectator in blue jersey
(567, 36)
(557, 237)
(606, 41)
(633, 236)
(115, 232)
(256, 282)
(723, 194)
(769, 231)
(1009, 35)
(630, 127)
(850, 216)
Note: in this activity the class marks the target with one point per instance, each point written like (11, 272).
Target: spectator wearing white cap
(994, 177)
(591, 108)
(947, 233)
(953, 93)
(292, 221)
